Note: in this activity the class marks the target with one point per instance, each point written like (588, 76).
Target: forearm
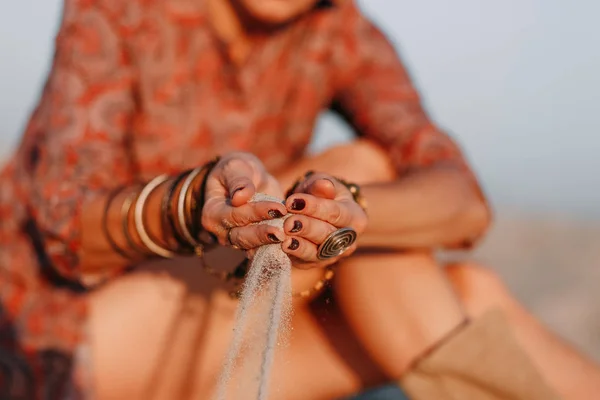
(425, 209)
(98, 257)
(434, 207)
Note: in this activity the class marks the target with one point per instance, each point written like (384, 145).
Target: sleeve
(374, 93)
(80, 128)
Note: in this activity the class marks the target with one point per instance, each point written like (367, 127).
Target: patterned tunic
(143, 87)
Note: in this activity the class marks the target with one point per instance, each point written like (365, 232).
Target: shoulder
(346, 27)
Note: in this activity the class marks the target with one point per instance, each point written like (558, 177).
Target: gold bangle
(139, 218)
(105, 222)
(125, 217)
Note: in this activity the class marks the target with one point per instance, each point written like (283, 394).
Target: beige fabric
(482, 361)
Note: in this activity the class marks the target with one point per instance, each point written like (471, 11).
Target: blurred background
(516, 82)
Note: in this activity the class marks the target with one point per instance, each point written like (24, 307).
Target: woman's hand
(228, 212)
(321, 205)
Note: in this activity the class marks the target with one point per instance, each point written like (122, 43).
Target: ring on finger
(235, 246)
(336, 243)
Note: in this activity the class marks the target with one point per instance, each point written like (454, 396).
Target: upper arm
(79, 129)
(375, 94)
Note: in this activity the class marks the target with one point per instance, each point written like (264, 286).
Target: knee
(375, 163)
(479, 288)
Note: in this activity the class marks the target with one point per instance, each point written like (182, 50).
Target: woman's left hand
(321, 205)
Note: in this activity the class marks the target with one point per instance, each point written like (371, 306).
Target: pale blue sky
(516, 81)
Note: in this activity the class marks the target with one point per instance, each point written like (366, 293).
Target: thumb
(237, 180)
(323, 188)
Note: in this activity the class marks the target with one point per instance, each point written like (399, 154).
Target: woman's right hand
(228, 212)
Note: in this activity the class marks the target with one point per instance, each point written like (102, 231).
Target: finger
(339, 213)
(323, 188)
(232, 179)
(309, 228)
(252, 212)
(218, 217)
(238, 180)
(252, 236)
(302, 249)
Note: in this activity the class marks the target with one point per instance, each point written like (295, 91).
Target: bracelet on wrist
(105, 222)
(171, 231)
(126, 217)
(139, 218)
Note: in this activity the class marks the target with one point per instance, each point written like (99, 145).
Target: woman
(142, 89)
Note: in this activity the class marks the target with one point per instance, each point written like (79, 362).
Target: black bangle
(113, 244)
(205, 237)
(168, 217)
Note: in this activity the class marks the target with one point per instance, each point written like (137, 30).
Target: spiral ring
(336, 243)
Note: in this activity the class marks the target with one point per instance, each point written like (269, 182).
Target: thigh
(148, 329)
(155, 334)
(398, 305)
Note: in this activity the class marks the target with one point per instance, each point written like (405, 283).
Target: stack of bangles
(183, 234)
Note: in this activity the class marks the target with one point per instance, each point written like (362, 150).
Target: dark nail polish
(273, 238)
(275, 214)
(298, 204)
(294, 245)
(297, 227)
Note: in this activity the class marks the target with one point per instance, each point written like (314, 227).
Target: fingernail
(273, 238)
(275, 214)
(236, 190)
(298, 204)
(297, 227)
(294, 245)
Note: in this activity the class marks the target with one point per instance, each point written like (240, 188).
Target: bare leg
(151, 330)
(569, 372)
(157, 336)
(400, 305)
(397, 305)
(162, 333)
(414, 286)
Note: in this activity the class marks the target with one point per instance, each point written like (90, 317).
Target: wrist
(153, 213)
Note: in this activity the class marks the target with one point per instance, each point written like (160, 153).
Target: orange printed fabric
(139, 88)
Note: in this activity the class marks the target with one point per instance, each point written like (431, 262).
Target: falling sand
(262, 321)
